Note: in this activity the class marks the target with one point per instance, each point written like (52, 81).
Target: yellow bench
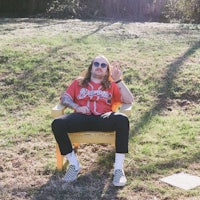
(87, 137)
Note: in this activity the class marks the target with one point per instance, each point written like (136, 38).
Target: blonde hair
(87, 78)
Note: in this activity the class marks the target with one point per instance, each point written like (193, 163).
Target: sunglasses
(103, 65)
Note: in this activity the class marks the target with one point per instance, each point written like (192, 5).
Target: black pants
(76, 122)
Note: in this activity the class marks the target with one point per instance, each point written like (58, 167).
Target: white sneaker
(71, 174)
(119, 178)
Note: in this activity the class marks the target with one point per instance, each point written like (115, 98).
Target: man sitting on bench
(92, 98)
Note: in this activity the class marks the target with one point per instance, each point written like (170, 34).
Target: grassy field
(161, 63)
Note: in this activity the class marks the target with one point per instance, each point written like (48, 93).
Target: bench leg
(59, 158)
(76, 145)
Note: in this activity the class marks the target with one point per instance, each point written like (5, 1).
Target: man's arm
(66, 100)
(127, 96)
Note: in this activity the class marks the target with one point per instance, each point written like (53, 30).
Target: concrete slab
(182, 180)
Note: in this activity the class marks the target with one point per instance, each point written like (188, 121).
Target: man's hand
(83, 109)
(106, 115)
(116, 73)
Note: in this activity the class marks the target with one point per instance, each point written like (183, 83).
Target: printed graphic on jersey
(84, 92)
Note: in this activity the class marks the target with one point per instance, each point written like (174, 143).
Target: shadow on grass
(165, 90)
(95, 184)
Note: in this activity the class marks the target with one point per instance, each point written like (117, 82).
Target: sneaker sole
(119, 184)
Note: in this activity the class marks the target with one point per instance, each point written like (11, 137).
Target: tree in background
(73, 8)
(187, 11)
(183, 10)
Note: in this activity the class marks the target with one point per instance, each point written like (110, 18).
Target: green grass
(161, 62)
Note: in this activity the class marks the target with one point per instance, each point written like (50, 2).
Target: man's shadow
(95, 182)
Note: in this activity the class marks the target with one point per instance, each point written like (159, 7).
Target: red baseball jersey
(97, 99)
